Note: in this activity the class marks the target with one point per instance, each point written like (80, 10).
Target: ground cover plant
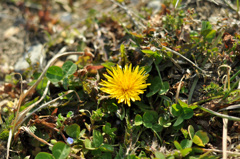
(146, 83)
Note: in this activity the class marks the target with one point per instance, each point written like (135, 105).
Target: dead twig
(178, 89)
(20, 117)
(224, 136)
(26, 129)
(176, 53)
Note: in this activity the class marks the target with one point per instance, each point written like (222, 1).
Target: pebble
(155, 5)
(36, 54)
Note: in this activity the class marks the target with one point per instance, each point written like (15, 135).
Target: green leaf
(200, 138)
(183, 104)
(44, 155)
(142, 106)
(206, 28)
(157, 127)
(106, 148)
(177, 145)
(198, 149)
(164, 88)
(185, 151)
(184, 132)
(69, 68)
(154, 87)
(138, 120)
(150, 118)
(178, 121)
(88, 144)
(191, 131)
(193, 107)
(132, 157)
(159, 155)
(28, 104)
(60, 150)
(206, 25)
(123, 53)
(142, 154)
(106, 156)
(210, 36)
(73, 130)
(122, 49)
(82, 133)
(41, 86)
(147, 68)
(186, 143)
(161, 121)
(112, 107)
(158, 59)
(166, 101)
(65, 83)
(148, 125)
(108, 65)
(96, 152)
(150, 52)
(176, 109)
(97, 138)
(193, 157)
(121, 116)
(54, 74)
(187, 113)
(108, 130)
(70, 114)
(120, 154)
(193, 34)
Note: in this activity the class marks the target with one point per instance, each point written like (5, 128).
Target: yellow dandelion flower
(125, 84)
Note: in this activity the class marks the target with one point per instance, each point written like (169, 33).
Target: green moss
(4, 135)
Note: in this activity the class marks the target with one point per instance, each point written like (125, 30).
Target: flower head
(70, 140)
(125, 84)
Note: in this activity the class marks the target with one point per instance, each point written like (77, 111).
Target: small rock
(35, 53)
(59, 63)
(66, 18)
(73, 58)
(11, 31)
(207, 66)
(155, 5)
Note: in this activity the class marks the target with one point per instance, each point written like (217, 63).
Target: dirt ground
(22, 28)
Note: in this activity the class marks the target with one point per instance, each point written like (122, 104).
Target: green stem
(192, 90)
(158, 136)
(160, 77)
(234, 76)
(206, 100)
(219, 114)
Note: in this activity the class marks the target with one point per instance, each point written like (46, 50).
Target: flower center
(125, 90)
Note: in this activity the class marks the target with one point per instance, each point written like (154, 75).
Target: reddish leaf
(149, 31)
(228, 40)
(54, 112)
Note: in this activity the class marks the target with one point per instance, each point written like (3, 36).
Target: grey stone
(155, 5)
(35, 53)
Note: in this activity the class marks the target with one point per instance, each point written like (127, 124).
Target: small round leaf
(178, 121)
(54, 74)
(69, 68)
(97, 138)
(138, 120)
(60, 150)
(176, 109)
(73, 130)
(44, 155)
(200, 138)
